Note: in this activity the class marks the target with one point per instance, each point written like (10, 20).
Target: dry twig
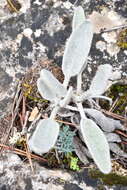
(28, 155)
(114, 115)
(15, 107)
(22, 153)
(121, 133)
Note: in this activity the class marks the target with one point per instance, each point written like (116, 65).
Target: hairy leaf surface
(112, 137)
(97, 144)
(78, 18)
(99, 82)
(44, 136)
(81, 151)
(77, 49)
(104, 122)
(117, 150)
(49, 87)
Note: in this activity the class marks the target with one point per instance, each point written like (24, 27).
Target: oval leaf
(100, 81)
(97, 144)
(77, 49)
(78, 18)
(44, 136)
(49, 87)
(100, 119)
(113, 137)
(114, 147)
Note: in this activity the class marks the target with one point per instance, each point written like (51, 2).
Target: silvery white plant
(61, 95)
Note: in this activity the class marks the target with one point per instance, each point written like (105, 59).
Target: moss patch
(118, 94)
(67, 161)
(108, 179)
(122, 39)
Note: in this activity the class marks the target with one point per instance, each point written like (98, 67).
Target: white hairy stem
(103, 97)
(67, 98)
(54, 112)
(79, 83)
(71, 108)
(81, 110)
(66, 81)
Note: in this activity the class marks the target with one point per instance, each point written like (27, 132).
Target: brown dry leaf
(33, 114)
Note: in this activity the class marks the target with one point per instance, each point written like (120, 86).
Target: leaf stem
(71, 108)
(79, 83)
(67, 98)
(66, 81)
(54, 112)
(80, 108)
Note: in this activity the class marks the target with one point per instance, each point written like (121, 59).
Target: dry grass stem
(22, 153)
(17, 99)
(28, 155)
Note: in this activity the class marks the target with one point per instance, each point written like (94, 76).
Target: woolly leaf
(99, 82)
(44, 136)
(78, 18)
(117, 150)
(97, 144)
(80, 150)
(77, 49)
(49, 87)
(100, 119)
(112, 137)
(118, 125)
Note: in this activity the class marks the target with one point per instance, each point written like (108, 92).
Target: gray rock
(16, 174)
(40, 32)
(27, 38)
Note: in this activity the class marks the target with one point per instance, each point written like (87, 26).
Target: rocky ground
(34, 38)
